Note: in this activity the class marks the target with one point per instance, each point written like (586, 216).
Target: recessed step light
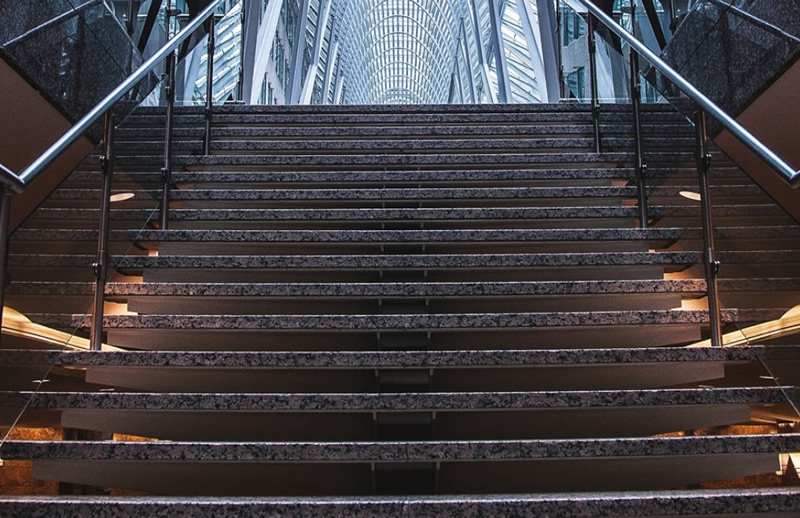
(121, 196)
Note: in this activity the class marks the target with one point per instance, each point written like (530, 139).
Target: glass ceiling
(427, 51)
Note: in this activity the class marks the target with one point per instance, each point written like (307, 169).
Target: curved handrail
(736, 129)
(29, 173)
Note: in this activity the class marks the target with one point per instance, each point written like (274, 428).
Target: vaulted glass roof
(424, 51)
(435, 51)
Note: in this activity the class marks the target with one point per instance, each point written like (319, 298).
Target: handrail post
(711, 265)
(210, 83)
(636, 92)
(129, 24)
(593, 80)
(166, 171)
(5, 206)
(101, 266)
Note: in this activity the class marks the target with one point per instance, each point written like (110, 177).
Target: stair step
(390, 359)
(446, 160)
(382, 262)
(382, 176)
(429, 216)
(507, 291)
(126, 134)
(407, 451)
(743, 503)
(432, 401)
(368, 144)
(450, 321)
(378, 289)
(411, 193)
(433, 118)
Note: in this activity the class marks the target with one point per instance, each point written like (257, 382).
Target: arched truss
(425, 51)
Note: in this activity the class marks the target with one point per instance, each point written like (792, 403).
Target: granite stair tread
(242, 131)
(405, 451)
(379, 262)
(391, 359)
(380, 144)
(412, 321)
(411, 193)
(412, 236)
(396, 402)
(463, 175)
(407, 289)
(447, 160)
(745, 503)
(431, 215)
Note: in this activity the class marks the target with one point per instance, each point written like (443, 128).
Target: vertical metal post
(166, 171)
(212, 24)
(636, 92)
(101, 266)
(710, 262)
(593, 80)
(5, 206)
(129, 25)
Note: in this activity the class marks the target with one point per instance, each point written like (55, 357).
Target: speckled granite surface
(747, 503)
(401, 160)
(406, 236)
(384, 144)
(411, 289)
(462, 175)
(409, 193)
(431, 261)
(403, 236)
(621, 128)
(431, 451)
(413, 321)
(425, 214)
(374, 359)
(432, 401)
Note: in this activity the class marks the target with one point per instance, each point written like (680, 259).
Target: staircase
(404, 311)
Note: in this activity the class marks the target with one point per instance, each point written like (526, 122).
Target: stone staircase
(416, 311)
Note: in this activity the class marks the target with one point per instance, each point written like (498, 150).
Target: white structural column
(333, 55)
(301, 27)
(266, 37)
(481, 50)
(322, 32)
(503, 83)
(547, 24)
(468, 63)
(534, 52)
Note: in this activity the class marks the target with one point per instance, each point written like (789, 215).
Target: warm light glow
(121, 196)
(689, 195)
(788, 324)
(17, 324)
(783, 462)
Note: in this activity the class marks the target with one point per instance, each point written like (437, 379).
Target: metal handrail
(736, 129)
(58, 147)
(10, 179)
